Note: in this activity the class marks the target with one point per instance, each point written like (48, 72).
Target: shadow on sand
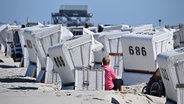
(24, 88)
(1, 61)
(11, 80)
(19, 79)
(7, 66)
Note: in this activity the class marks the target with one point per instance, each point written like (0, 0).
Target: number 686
(137, 50)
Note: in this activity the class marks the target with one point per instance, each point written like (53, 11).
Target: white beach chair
(72, 57)
(112, 47)
(139, 53)
(178, 37)
(171, 67)
(38, 40)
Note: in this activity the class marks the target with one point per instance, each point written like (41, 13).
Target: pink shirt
(109, 75)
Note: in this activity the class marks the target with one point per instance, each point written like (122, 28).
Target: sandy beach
(15, 88)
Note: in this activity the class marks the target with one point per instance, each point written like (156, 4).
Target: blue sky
(132, 12)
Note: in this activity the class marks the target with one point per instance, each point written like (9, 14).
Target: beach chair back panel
(89, 79)
(116, 56)
(81, 54)
(140, 50)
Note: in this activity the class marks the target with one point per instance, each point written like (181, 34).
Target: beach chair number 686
(137, 50)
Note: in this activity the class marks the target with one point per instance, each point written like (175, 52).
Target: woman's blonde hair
(106, 60)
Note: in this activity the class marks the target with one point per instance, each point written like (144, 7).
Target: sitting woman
(111, 82)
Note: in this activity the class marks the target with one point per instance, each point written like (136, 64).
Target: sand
(16, 88)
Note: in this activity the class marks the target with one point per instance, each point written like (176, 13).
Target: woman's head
(106, 60)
